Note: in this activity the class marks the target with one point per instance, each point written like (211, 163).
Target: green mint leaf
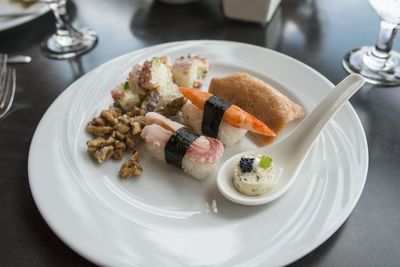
(126, 85)
(265, 162)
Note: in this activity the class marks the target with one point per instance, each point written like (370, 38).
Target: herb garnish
(157, 60)
(117, 105)
(126, 85)
(265, 162)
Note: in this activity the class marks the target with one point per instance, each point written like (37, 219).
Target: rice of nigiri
(227, 133)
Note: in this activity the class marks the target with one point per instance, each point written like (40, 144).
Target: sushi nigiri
(212, 116)
(173, 143)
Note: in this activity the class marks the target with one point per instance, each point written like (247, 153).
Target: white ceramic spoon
(288, 155)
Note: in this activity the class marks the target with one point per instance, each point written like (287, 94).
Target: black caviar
(246, 164)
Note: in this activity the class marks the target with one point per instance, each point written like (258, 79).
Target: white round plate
(164, 217)
(32, 12)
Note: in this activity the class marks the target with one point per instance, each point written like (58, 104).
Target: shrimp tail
(233, 115)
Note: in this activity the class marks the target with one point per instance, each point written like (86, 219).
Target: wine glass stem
(67, 41)
(384, 44)
(60, 12)
(66, 34)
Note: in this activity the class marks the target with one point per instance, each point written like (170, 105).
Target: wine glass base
(353, 62)
(52, 49)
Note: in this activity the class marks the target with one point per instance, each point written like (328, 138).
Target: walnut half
(100, 148)
(131, 167)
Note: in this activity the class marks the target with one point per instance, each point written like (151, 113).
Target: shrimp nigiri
(171, 142)
(219, 119)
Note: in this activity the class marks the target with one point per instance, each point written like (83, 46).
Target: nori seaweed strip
(177, 145)
(214, 109)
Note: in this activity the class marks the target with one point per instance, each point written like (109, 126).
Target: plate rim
(301, 252)
(13, 23)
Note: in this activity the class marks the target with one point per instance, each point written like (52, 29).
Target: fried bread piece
(257, 98)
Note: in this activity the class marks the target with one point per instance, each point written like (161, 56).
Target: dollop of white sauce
(256, 182)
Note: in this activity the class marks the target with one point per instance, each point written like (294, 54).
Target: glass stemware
(67, 41)
(379, 64)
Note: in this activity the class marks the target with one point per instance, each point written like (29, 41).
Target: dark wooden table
(317, 33)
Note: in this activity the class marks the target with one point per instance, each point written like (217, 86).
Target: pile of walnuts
(114, 133)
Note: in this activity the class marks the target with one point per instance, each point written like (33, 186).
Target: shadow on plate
(222, 207)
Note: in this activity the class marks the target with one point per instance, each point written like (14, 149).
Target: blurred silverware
(7, 85)
(17, 59)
